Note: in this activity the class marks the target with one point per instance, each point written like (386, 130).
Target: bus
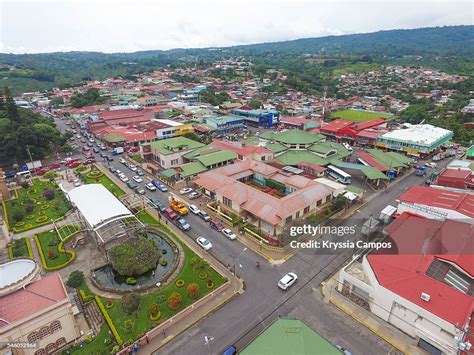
(339, 175)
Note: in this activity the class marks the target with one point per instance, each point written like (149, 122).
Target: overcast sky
(127, 26)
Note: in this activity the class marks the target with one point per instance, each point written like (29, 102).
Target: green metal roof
(354, 189)
(192, 168)
(400, 157)
(289, 337)
(373, 174)
(294, 157)
(220, 120)
(470, 152)
(386, 159)
(174, 145)
(276, 147)
(294, 136)
(324, 147)
(168, 172)
(216, 157)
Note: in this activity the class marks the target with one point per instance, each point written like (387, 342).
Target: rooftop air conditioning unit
(425, 297)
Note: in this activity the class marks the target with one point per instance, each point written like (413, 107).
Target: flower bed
(30, 204)
(20, 248)
(59, 258)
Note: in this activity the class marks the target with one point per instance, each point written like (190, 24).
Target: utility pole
(31, 159)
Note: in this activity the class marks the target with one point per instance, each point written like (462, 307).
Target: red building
(363, 133)
(457, 178)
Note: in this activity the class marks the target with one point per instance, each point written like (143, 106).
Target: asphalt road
(243, 318)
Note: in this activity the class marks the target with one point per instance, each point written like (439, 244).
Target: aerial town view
(227, 177)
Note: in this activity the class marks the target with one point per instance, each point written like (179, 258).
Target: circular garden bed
(41, 219)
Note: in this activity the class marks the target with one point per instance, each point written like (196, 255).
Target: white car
(431, 165)
(132, 167)
(287, 280)
(118, 172)
(204, 243)
(137, 178)
(122, 160)
(123, 178)
(150, 187)
(194, 209)
(185, 190)
(229, 234)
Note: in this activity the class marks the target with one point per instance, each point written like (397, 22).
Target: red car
(170, 213)
(41, 171)
(54, 166)
(89, 161)
(73, 164)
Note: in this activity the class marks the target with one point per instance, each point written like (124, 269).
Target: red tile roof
(405, 273)
(336, 125)
(295, 120)
(462, 203)
(34, 298)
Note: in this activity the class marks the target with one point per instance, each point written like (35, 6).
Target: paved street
(239, 321)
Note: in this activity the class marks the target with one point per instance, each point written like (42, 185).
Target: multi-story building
(417, 140)
(258, 118)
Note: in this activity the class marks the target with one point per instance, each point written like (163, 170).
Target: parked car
(170, 213)
(204, 243)
(92, 140)
(183, 224)
(102, 147)
(137, 178)
(216, 224)
(122, 160)
(139, 190)
(132, 167)
(118, 172)
(431, 165)
(194, 209)
(123, 178)
(150, 187)
(185, 190)
(344, 350)
(112, 169)
(96, 150)
(109, 158)
(194, 195)
(140, 173)
(204, 216)
(158, 205)
(287, 280)
(131, 185)
(229, 234)
(89, 144)
(163, 188)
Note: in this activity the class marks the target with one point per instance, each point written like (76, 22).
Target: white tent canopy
(98, 205)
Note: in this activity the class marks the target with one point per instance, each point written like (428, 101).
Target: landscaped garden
(20, 248)
(132, 316)
(95, 176)
(51, 247)
(36, 204)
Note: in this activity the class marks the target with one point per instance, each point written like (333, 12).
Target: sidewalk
(384, 330)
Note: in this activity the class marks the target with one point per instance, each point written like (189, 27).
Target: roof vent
(425, 297)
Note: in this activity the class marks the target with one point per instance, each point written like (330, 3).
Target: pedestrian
(147, 339)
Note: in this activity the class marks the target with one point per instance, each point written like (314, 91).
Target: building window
(60, 342)
(288, 219)
(306, 210)
(297, 214)
(227, 201)
(34, 337)
(319, 202)
(44, 332)
(55, 326)
(41, 352)
(50, 347)
(174, 162)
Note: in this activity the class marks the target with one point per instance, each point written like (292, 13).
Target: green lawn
(98, 345)
(359, 116)
(19, 249)
(44, 211)
(50, 241)
(104, 180)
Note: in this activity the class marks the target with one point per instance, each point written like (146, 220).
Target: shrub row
(60, 249)
(109, 320)
(84, 296)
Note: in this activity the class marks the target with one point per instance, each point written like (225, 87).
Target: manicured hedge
(60, 249)
(109, 320)
(84, 296)
(28, 247)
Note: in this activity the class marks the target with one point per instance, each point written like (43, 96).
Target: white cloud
(126, 26)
